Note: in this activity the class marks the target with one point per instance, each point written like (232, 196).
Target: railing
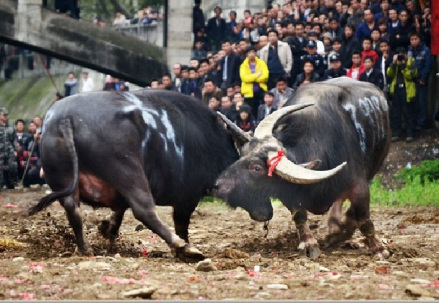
(152, 33)
(31, 65)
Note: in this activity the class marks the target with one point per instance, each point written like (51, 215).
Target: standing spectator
(87, 83)
(198, 18)
(399, 36)
(119, 19)
(210, 90)
(403, 73)
(313, 36)
(229, 66)
(355, 14)
(383, 10)
(383, 27)
(267, 108)
(177, 81)
(23, 139)
(336, 30)
(199, 52)
(421, 54)
(71, 85)
(357, 67)
(308, 76)
(298, 47)
(336, 69)
(32, 175)
(336, 48)
(367, 49)
(365, 28)
(371, 74)
(254, 78)
(349, 45)
(38, 123)
(384, 62)
(216, 29)
(7, 152)
(278, 56)
(281, 92)
(167, 82)
(193, 88)
(375, 35)
(318, 61)
(232, 29)
(184, 87)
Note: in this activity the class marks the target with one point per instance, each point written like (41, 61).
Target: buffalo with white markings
(133, 150)
(321, 149)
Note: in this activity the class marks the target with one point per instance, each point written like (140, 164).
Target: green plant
(427, 170)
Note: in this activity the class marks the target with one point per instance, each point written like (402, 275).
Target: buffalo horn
(238, 133)
(295, 173)
(265, 128)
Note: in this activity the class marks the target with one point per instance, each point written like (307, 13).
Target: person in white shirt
(87, 83)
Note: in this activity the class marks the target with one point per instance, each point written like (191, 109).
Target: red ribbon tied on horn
(273, 162)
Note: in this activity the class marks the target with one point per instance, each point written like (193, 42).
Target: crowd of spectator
(266, 56)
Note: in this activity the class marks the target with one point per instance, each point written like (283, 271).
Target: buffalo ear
(312, 164)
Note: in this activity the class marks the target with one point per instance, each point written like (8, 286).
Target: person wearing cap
(216, 29)
(8, 144)
(314, 36)
(319, 61)
(278, 56)
(403, 72)
(336, 69)
(371, 74)
(254, 77)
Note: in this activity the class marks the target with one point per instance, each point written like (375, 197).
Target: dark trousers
(400, 107)
(421, 102)
(255, 102)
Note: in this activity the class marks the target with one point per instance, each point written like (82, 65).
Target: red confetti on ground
(381, 270)
(45, 286)
(385, 287)
(20, 281)
(10, 206)
(116, 280)
(194, 279)
(434, 284)
(144, 252)
(143, 272)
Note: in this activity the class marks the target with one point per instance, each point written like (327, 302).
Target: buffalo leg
(110, 228)
(335, 215)
(360, 212)
(139, 198)
(307, 241)
(73, 213)
(338, 231)
(182, 216)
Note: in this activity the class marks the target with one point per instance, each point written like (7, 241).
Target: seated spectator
(371, 74)
(238, 101)
(154, 83)
(199, 52)
(383, 26)
(336, 48)
(210, 90)
(254, 78)
(336, 69)
(357, 67)
(267, 108)
(214, 103)
(308, 76)
(245, 120)
(327, 43)
(281, 92)
(368, 51)
(167, 82)
(227, 108)
(71, 85)
(193, 88)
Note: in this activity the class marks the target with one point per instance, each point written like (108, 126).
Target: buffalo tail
(67, 132)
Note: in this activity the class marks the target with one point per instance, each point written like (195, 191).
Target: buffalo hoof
(376, 247)
(86, 251)
(310, 249)
(189, 254)
(104, 229)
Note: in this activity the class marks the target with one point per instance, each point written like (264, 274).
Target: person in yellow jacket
(254, 77)
(403, 73)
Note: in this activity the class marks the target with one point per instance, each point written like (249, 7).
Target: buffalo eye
(256, 168)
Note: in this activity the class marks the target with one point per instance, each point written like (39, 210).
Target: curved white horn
(294, 173)
(235, 130)
(265, 128)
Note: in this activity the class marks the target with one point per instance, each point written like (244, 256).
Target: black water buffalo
(133, 150)
(320, 155)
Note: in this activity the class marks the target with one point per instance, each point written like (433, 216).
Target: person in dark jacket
(336, 69)
(298, 44)
(319, 62)
(383, 63)
(198, 17)
(371, 74)
(349, 45)
(421, 53)
(308, 76)
(216, 29)
(229, 67)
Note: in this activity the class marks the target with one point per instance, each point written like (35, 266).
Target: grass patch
(415, 192)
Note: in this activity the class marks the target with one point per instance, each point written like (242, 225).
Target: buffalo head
(265, 169)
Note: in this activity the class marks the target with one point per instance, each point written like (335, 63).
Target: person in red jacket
(357, 66)
(368, 51)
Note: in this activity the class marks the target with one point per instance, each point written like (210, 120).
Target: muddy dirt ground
(38, 261)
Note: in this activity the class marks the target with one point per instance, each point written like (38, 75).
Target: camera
(400, 57)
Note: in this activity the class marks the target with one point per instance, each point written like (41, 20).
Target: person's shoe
(409, 139)
(394, 139)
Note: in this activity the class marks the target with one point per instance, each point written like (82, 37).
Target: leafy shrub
(428, 170)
